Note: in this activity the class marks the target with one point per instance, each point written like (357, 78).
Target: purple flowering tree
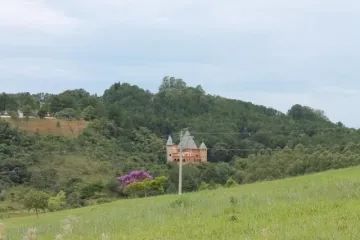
(134, 176)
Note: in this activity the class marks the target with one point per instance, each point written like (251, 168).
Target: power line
(64, 153)
(260, 148)
(250, 133)
(265, 132)
(257, 149)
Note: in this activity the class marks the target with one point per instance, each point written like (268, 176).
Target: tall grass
(319, 206)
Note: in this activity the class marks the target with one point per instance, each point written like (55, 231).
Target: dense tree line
(127, 131)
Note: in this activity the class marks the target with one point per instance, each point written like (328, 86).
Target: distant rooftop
(169, 141)
(187, 141)
(202, 146)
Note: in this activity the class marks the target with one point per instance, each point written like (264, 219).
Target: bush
(213, 185)
(74, 201)
(90, 190)
(37, 200)
(230, 183)
(99, 195)
(171, 189)
(58, 202)
(14, 115)
(103, 200)
(203, 186)
(89, 113)
(239, 177)
(181, 202)
(113, 186)
(146, 187)
(2, 195)
(3, 209)
(67, 113)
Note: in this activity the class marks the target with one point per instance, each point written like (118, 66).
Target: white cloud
(331, 90)
(34, 15)
(53, 16)
(170, 69)
(221, 14)
(34, 69)
(179, 14)
(251, 48)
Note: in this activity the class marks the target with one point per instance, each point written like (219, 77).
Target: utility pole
(180, 163)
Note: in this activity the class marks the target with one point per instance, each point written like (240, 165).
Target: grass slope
(319, 206)
(48, 126)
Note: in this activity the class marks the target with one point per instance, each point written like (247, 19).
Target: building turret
(190, 152)
(187, 142)
(203, 152)
(169, 146)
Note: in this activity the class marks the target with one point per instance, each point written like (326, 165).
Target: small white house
(20, 113)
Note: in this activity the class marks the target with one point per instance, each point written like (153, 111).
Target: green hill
(317, 206)
(127, 130)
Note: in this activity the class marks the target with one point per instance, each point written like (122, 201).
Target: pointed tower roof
(169, 141)
(202, 146)
(187, 141)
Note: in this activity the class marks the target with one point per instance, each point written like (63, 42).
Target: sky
(275, 53)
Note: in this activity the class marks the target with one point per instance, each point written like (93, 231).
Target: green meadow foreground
(319, 206)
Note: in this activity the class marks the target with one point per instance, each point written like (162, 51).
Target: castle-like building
(191, 153)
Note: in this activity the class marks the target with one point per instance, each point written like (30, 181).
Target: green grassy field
(319, 206)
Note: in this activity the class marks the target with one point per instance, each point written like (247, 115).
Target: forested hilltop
(127, 130)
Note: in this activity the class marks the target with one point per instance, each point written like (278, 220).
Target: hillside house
(5, 113)
(191, 153)
(20, 114)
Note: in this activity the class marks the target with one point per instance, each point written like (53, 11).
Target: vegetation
(318, 206)
(60, 127)
(36, 200)
(95, 139)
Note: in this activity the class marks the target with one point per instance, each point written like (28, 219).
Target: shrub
(67, 113)
(36, 200)
(103, 200)
(146, 187)
(213, 185)
(89, 113)
(58, 202)
(2, 195)
(134, 176)
(74, 201)
(230, 183)
(90, 190)
(181, 202)
(113, 186)
(171, 189)
(14, 115)
(203, 186)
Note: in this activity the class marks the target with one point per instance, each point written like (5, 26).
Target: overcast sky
(275, 53)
